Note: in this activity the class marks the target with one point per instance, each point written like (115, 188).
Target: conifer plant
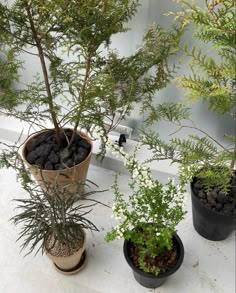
(78, 85)
(207, 162)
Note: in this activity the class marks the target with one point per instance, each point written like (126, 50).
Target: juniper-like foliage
(94, 84)
(8, 74)
(212, 81)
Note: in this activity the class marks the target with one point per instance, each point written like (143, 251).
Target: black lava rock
(53, 158)
(222, 197)
(212, 194)
(211, 200)
(32, 157)
(55, 147)
(198, 185)
(48, 166)
(66, 137)
(40, 162)
(84, 144)
(59, 167)
(78, 158)
(77, 139)
(43, 150)
(74, 149)
(42, 138)
(201, 194)
(65, 154)
(68, 133)
(31, 144)
(52, 139)
(68, 163)
(204, 201)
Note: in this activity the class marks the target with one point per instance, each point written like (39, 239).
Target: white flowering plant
(149, 216)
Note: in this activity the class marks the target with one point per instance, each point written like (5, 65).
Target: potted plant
(50, 221)
(87, 89)
(148, 217)
(205, 161)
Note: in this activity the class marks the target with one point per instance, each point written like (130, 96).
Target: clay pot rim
(83, 135)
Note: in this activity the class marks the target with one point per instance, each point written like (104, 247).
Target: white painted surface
(11, 128)
(208, 267)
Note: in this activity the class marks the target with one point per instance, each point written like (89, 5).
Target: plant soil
(44, 152)
(61, 249)
(217, 200)
(164, 261)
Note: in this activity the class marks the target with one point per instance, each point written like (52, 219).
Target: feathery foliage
(213, 78)
(8, 74)
(212, 81)
(90, 87)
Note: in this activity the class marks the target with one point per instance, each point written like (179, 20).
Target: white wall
(210, 122)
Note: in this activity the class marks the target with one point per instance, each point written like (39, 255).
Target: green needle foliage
(51, 218)
(94, 84)
(212, 81)
(8, 74)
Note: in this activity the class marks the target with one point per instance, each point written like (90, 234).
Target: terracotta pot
(70, 264)
(69, 178)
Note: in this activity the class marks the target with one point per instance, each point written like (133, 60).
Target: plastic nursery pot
(72, 264)
(68, 178)
(149, 280)
(209, 224)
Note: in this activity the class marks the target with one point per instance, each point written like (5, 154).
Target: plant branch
(200, 130)
(45, 75)
(82, 94)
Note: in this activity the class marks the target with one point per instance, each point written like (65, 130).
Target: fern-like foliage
(90, 88)
(197, 156)
(166, 111)
(8, 74)
(11, 158)
(212, 81)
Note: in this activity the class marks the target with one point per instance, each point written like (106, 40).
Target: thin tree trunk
(45, 75)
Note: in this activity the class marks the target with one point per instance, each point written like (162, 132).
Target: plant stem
(45, 75)
(82, 95)
(200, 130)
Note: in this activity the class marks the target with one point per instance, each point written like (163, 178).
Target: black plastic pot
(209, 224)
(149, 280)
